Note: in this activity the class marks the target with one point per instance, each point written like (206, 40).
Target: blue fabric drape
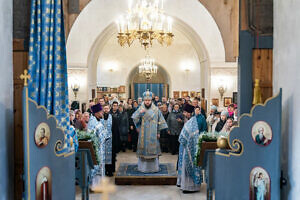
(48, 85)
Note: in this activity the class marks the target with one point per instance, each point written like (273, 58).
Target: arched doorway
(138, 84)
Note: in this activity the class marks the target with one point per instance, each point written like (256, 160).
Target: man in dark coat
(156, 100)
(123, 127)
(195, 103)
(133, 135)
(175, 123)
(164, 136)
(111, 168)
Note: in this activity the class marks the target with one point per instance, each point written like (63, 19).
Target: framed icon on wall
(215, 102)
(193, 94)
(184, 94)
(176, 94)
(227, 101)
(122, 88)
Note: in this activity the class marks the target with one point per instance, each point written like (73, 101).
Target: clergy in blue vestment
(95, 126)
(189, 175)
(107, 123)
(149, 121)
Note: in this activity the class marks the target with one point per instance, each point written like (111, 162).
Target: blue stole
(108, 143)
(149, 124)
(188, 139)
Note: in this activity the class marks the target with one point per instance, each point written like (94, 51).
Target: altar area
(145, 192)
(127, 173)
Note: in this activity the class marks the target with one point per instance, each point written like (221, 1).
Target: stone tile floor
(147, 192)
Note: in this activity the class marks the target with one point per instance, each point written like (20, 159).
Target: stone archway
(225, 13)
(190, 34)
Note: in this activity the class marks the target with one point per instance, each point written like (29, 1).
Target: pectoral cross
(25, 77)
(105, 188)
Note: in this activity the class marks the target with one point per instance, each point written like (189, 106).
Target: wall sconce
(111, 69)
(75, 87)
(187, 69)
(222, 90)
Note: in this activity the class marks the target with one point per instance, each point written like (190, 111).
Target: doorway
(138, 84)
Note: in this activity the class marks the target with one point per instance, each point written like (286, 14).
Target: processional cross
(105, 188)
(25, 77)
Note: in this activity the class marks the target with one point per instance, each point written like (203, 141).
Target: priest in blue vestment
(95, 126)
(110, 156)
(149, 121)
(189, 174)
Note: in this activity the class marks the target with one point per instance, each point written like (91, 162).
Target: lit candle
(122, 27)
(169, 24)
(144, 3)
(162, 22)
(128, 26)
(129, 4)
(156, 3)
(118, 25)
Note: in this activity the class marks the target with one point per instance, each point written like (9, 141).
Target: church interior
(149, 99)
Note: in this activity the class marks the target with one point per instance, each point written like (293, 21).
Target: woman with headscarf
(221, 122)
(211, 119)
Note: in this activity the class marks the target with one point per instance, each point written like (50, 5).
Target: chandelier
(145, 22)
(148, 68)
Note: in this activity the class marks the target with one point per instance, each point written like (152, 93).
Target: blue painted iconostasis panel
(156, 88)
(48, 161)
(252, 169)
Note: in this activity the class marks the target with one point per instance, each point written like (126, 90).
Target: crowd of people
(118, 118)
(173, 111)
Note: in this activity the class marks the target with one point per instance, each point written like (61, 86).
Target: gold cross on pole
(25, 77)
(105, 188)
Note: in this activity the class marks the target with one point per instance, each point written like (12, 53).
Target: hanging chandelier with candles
(145, 21)
(148, 68)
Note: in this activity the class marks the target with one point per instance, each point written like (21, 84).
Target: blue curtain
(48, 85)
(156, 88)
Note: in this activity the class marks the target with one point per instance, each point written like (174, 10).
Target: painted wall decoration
(43, 167)
(176, 94)
(184, 94)
(227, 101)
(199, 95)
(246, 159)
(215, 102)
(121, 88)
(260, 184)
(193, 94)
(42, 135)
(43, 184)
(262, 133)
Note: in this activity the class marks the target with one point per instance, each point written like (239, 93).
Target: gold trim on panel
(57, 127)
(28, 142)
(237, 141)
